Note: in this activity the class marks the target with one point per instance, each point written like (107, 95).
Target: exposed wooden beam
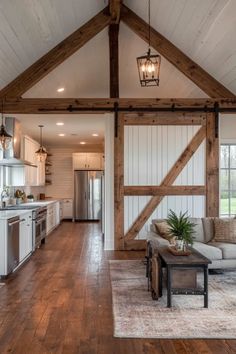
(61, 105)
(212, 167)
(115, 8)
(168, 180)
(175, 56)
(57, 55)
(164, 190)
(114, 60)
(119, 183)
(166, 118)
(135, 245)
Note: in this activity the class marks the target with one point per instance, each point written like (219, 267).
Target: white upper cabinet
(87, 161)
(29, 148)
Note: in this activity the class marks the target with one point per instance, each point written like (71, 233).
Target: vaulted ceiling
(203, 29)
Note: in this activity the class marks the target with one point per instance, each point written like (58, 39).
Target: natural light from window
(228, 180)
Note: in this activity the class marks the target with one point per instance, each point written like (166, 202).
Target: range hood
(13, 156)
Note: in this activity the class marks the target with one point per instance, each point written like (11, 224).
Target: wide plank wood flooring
(60, 302)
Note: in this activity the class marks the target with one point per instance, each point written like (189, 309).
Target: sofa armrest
(156, 240)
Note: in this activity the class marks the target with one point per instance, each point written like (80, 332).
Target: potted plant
(182, 228)
(19, 196)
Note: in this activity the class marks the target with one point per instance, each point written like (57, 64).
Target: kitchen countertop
(40, 202)
(8, 214)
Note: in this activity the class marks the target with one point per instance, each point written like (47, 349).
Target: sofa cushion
(208, 227)
(228, 249)
(209, 251)
(225, 230)
(163, 230)
(198, 228)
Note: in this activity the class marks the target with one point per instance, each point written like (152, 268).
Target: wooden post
(119, 184)
(212, 167)
(114, 60)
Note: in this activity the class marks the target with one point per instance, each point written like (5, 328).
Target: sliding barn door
(163, 162)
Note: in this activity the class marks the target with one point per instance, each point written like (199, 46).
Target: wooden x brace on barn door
(166, 187)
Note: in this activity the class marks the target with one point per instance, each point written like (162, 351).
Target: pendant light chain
(149, 26)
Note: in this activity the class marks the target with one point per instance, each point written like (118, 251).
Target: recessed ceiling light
(82, 142)
(95, 134)
(61, 134)
(60, 89)
(59, 123)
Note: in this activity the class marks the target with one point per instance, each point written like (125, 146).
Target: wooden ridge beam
(167, 181)
(175, 56)
(115, 9)
(61, 105)
(57, 55)
(164, 190)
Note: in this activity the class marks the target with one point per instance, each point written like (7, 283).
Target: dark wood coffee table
(194, 261)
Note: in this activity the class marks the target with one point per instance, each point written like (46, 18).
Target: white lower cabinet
(53, 216)
(67, 208)
(26, 241)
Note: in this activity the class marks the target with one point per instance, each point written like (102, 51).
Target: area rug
(136, 315)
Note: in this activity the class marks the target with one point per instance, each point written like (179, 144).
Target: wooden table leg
(205, 286)
(169, 286)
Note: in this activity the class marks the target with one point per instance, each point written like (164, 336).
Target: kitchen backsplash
(28, 190)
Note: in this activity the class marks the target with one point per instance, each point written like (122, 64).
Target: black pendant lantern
(41, 153)
(5, 138)
(149, 64)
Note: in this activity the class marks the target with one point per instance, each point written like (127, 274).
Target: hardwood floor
(60, 302)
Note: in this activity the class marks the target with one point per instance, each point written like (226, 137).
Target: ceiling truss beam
(75, 105)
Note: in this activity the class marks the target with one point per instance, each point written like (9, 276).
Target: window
(228, 180)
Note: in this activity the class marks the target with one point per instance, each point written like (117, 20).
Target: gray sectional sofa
(222, 255)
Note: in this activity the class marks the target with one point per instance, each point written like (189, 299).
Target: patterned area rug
(137, 315)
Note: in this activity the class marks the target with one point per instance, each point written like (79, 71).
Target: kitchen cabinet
(87, 161)
(53, 216)
(26, 241)
(67, 208)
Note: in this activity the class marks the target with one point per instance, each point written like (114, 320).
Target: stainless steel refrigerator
(88, 195)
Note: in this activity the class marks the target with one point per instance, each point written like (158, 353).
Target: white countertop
(8, 214)
(40, 202)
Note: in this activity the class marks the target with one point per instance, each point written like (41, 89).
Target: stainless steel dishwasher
(13, 244)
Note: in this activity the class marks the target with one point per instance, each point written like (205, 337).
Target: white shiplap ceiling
(203, 29)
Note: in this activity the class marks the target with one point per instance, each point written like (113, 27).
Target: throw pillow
(225, 230)
(163, 230)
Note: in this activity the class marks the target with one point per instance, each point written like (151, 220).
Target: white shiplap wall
(150, 152)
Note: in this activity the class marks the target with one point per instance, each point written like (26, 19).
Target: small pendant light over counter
(41, 153)
(149, 64)
(5, 138)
